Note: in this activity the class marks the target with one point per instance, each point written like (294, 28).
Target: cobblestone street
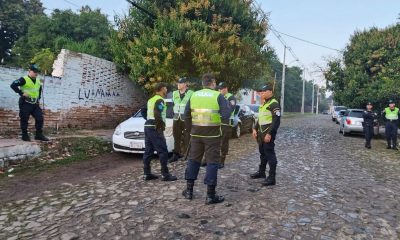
(328, 187)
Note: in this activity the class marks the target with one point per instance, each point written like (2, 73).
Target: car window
(357, 114)
(340, 108)
(138, 114)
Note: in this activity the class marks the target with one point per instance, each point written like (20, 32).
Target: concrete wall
(83, 92)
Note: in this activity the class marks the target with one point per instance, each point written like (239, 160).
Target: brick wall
(84, 92)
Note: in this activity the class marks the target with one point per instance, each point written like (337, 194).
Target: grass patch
(62, 152)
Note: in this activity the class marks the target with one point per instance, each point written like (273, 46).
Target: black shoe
(26, 138)
(269, 181)
(257, 175)
(168, 177)
(213, 199)
(221, 165)
(388, 147)
(369, 147)
(41, 137)
(174, 158)
(203, 164)
(187, 194)
(149, 176)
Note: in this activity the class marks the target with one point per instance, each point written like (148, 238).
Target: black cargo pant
(25, 110)
(181, 137)
(391, 132)
(368, 132)
(226, 135)
(154, 141)
(210, 149)
(267, 155)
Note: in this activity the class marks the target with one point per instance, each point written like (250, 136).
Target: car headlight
(168, 131)
(118, 130)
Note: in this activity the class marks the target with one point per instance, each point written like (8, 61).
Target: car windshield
(340, 108)
(170, 111)
(356, 114)
(254, 108)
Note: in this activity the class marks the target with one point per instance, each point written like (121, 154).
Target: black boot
(388, 147)
(148, 175)
(174, 158)
(166, 176)
(270, 180)
(212, 197)
(188, 192)
(39, 136)
(25, 137)
(260, 173)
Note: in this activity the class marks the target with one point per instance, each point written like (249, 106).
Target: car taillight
(348, 121)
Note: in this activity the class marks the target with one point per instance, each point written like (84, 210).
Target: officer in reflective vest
(265, 132)
(30, 88)
(154, 140)
(204, 113)
(181, 136)
(368, 124)
(226, 127)
(391, 115)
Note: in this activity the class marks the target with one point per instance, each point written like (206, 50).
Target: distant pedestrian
(30, 90)
(368, 124)
(155, 115)
(391, 115)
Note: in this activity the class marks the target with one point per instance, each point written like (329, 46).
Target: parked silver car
(352, 122)
(335, 112)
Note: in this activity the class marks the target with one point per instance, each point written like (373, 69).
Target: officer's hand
(254, 134)
(267, 138)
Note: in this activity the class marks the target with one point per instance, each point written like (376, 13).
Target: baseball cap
(265, 87)
(222, 85)
(34, 67)
(369, 103)
(390, 101)
(182, 80)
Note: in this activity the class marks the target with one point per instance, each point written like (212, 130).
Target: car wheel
(237, 131)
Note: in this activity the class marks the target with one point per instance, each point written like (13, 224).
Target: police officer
(226, 127)
(30, 88)
(368, 124)
(265, 131)
(203, 115)
(391, 115)
(181, 137)
(155, 115)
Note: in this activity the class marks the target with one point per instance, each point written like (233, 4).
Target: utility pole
(312, 97)
(283, 82)
(316, 110)
(304, 85)
(273, 87)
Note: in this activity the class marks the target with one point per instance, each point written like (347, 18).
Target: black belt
(392, 120)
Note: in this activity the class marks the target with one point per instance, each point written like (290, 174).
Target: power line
(73, 4)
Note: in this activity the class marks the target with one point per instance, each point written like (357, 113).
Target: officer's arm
(224, 109)
(232, 103)
(143, 110)
(40, 93)
(276, 118)
(16, 84)
(158, 121)
(187, 117)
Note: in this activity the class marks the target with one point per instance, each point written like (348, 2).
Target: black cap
(222, 85)
(264, 88)
(182, 80)
(369, 103)
(34, 67)
(390, 101)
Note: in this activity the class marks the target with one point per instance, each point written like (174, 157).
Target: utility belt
(392, 120)
(228, 123)
(30, 100)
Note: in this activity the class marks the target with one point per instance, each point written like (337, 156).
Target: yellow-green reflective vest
(392, 115)
(150, 108)
(32, 89)
(180, 104)
(227, 96)
(205, 108)
(265, 115)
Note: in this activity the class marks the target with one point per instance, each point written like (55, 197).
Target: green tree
(15, 16)
(44, 59)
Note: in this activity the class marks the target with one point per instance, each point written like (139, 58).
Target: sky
(329, 23)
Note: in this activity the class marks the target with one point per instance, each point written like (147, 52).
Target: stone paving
(328, 187)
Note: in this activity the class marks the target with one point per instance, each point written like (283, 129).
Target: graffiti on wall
(85, 94)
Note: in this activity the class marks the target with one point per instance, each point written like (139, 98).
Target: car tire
(237, 131)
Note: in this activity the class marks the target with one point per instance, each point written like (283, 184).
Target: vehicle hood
(133, 124)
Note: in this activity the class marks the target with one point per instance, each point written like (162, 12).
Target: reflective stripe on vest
(392, 115)
(150, 108)
(180, 104)
(205, 108)
(265, 115)
(32, 89)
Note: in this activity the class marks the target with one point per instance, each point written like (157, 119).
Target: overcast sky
(329, 23)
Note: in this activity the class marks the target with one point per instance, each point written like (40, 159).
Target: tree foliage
(15, 16)
(369, 70)
(189, 38)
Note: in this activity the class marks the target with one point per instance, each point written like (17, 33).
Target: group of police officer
(202, 126)
(391, 115)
